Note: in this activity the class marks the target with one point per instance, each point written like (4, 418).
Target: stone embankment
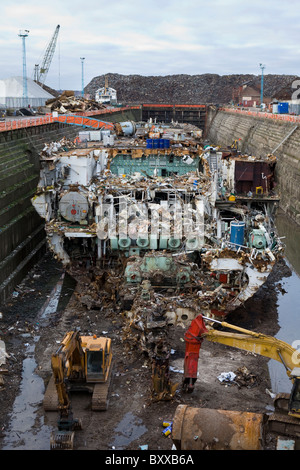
(260, 136)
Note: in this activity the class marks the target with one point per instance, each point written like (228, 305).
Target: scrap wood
(67, 101)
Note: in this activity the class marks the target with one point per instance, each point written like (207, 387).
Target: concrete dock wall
(22, 235)
(260, 136)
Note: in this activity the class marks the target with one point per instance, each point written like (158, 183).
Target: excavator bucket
(62, 440)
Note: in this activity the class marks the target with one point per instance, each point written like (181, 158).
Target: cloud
(150, 38)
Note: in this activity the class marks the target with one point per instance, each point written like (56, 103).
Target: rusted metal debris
(157, 226)
(68, 102)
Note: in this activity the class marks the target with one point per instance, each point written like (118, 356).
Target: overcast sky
(150, 37)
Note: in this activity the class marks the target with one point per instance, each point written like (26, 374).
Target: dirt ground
(132, 419)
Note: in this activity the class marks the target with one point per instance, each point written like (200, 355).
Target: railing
(83, 121)
(21, 123)
(157, 105)
(13, 124)
(259, 114)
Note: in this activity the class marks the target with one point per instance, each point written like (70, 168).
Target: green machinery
(159, 269)
(162, 165)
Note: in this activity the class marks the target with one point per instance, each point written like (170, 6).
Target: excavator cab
(98, 356)
(94, 361)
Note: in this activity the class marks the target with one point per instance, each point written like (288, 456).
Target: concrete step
(16, 257)
(15, 175)
(18, 190)
(16, 207)
(14, 232)
(13, 147)
(13, 167)
(4, 155)
(17, 276)
(6, 164)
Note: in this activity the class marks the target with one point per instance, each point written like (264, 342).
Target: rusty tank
(209, 429)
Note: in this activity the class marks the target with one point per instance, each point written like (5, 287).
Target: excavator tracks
(284, 424)
(50, 401)
(100, 395)
(99, 398)
(281, 402)
(280, 422)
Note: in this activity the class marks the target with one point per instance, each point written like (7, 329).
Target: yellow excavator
(81, 363)
(286, 417)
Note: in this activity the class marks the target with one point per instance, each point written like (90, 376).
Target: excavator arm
(257, 343)
(247, 340)
(67, 362)
(71, 356)
(271, 347)
(287, 406)
(59, 378)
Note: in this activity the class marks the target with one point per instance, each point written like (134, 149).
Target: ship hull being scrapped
(154, 222)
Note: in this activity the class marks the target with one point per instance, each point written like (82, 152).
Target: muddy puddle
(128, 430)
(27, 428)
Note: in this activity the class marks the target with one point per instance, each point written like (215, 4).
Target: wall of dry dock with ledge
(261, 134)
(22, 235)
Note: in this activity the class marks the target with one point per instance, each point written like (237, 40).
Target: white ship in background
(106, 94)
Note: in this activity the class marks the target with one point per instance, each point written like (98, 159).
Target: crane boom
(42, 71)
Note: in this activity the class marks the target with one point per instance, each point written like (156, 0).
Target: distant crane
(40, 73)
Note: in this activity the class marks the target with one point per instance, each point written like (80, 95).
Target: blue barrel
(149, 143)
(161, 143)
(167, 143)
(237, 233)
(155, 143)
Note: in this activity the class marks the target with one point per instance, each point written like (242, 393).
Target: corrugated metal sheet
(294, 109)
(14, 102)
(250, 175)
(11, 93)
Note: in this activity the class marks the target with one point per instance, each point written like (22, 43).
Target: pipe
(208, 429)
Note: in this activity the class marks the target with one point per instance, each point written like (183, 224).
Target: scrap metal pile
(150, 224)
(68, 102)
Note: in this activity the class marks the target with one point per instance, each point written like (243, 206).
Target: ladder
(286, 138)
